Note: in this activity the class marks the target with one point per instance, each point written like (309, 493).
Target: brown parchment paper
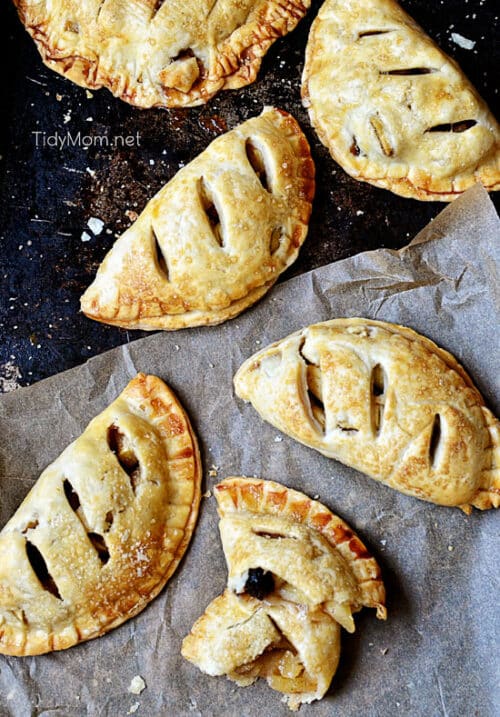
(437, 654)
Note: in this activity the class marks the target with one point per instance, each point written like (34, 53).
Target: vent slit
(211, 212)
(120, 445)
(99, 546)
(314, 388)
(275, 241)
(354, 148)
(157, 6)
(108, 521)
(455, 127)
(271, 536)
(372, 33)
(40, 569)
(347, 429)
(256, 160)
(71, 496)
(410, 71)
(377, 397)
(315, 394)
(381, 136)
(161, 260)
(434, 439)
(97, 540)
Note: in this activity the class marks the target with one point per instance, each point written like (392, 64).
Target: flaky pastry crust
(159, 53)
(104, 527)
(321, 574)
(385, 400)
(216, 237)
(392, 108)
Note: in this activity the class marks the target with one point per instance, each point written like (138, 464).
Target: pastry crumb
(133, 708)
(384, 651)
(208, 494)
(59, 97)
(383, 542)
(462, 41)
(278, 439)
(90, 171)
(95, 225)
(450, 548)
(214, 471)
(137, 685)
(89, 94)
(130, 214)
(359, 213)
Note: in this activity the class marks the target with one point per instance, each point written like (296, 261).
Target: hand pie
(384, 400)
(163, 53)
(104, 527)
(297, 572)
(216, 237)
(392, 108)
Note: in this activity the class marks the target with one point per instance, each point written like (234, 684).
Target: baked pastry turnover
(297, 573)
(392, 108)
(216, 237)
(386, 401)
(104, 527)
(164, 53)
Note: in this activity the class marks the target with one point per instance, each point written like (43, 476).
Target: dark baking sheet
(48, 194)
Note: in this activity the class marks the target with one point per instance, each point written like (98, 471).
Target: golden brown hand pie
(392, 108)
(216, 237)
(384, 400)
(167, 53)
(104, 527)
(297, 572)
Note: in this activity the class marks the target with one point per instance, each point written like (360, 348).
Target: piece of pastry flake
(462, 41)
(392, 108)
(297, 573)
(386, 401)
(137, 685)
(216, 237)
(95, 225)
(104, 527)
(159, 53)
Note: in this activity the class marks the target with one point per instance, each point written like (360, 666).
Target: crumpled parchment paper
(438, 653)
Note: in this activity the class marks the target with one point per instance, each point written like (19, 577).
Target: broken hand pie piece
(216, 237)
(104, 527)
(162, 53)
(386, 401)
(392, 108)
(297, 572)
